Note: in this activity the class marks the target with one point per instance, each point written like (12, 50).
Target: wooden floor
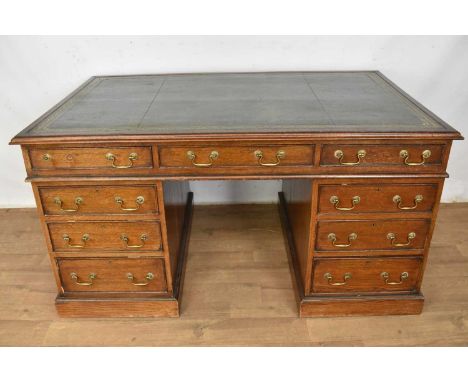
(237, 291)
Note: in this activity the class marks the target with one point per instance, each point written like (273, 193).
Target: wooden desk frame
(310, 164)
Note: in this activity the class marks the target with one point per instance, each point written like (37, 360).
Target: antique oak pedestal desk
(362, 166)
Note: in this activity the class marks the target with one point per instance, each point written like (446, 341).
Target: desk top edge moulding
(362, 166)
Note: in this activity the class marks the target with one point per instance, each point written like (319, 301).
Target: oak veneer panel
(99, 199)
(373, 306)
(384, 157)
(83, 158)
(111, 275)
(89, 308)
(176, 156)
(297, 194)
(376, 197)
(175, 198)
(372, 234)
(106, 236)
(366, 275)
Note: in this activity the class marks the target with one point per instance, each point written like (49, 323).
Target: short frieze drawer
(255, 156)
(412, 157)
(109, 160)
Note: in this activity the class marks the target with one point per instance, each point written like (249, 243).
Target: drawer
(392, 234)
(359, 198)
(112, 275)
(82, 200)
(366, 275)
(410, 156)
(260, 156)
(106, 236)
(114, 159)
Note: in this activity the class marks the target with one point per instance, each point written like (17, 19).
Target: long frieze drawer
(106, 236)
(115, 159)
(360, 198)
(76, 200)
(366, 275)
(372, 235)
(112, 275)
(413, 156)
(229, 156)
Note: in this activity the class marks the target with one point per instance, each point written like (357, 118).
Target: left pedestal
(117, 248)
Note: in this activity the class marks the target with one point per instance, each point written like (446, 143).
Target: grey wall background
(37, 72)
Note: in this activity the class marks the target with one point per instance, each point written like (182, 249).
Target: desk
(362, 165)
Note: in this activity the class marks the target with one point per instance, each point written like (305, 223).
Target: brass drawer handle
(335, 201)
(139, 201)
(149, 276)
(132, 157)
(340, 155)
(59, 202)
(84, 239)
(192, 156)
(417, 199)
(328, 276)
(46, 157)
(403, 277)
(91, 276)
(281, 154)
(424, 155)
(143, 239)
(392, 237)
(332, 237)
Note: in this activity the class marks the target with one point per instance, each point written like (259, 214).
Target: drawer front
(106, 236)
(372, 235)
(366, 275)
(82, 200)
(358, 198)
(114, 159)
(410, 156)
(230, 156)
(112, 275)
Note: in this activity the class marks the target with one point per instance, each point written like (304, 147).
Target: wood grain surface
(111, 275)
(365, 275)
(72, 158)
(238, 291)
(293, 155)
(106, 236)
(383, 155)
(375, 198)
(372, 234)
(99, 199)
